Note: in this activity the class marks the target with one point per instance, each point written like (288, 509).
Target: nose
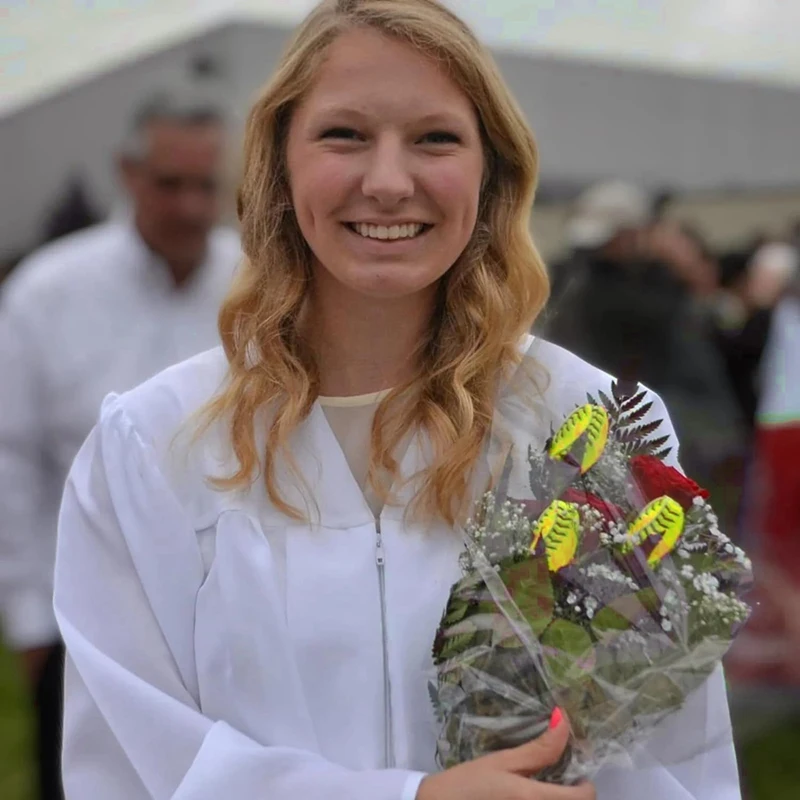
(192, 203)
(388, 177)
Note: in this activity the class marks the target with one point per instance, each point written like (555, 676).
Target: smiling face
(385, 165)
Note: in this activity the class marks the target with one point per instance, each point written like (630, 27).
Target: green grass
(769, 762)
(16, 733)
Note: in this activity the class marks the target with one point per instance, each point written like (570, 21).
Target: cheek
(456, 190)
(319, 187)
(154, 204)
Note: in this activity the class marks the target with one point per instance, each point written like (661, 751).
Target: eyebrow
(434, 118)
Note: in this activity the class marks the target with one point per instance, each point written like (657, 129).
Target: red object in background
(777, 501)
(768, 649)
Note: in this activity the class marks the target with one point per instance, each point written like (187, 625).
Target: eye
(168, 183)
(441, 137)
(341, 133)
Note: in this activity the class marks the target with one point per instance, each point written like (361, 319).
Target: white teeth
(394, 232)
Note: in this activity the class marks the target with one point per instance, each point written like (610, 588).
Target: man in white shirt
(99, 311)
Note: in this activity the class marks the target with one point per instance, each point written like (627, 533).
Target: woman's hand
(506, 775)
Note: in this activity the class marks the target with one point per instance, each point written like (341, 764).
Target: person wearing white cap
(605, 210)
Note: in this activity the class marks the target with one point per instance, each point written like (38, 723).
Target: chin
(393, 290)
(188, 256)
(396, 283)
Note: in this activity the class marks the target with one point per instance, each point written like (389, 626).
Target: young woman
(256, 545)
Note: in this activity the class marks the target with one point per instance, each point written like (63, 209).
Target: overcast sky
(46, 43)
(744, 36)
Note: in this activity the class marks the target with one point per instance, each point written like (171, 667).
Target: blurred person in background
(100, 311)
(776, 504)
(632, 298)
(740, 332)
(768, 656)
(72, 211)
(752, 281)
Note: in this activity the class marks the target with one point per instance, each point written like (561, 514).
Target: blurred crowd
(103, 303)
(717, 334)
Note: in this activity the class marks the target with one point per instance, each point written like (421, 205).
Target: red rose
(655, 479)
(609, 511)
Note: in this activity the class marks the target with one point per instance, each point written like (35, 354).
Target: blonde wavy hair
(487, 300)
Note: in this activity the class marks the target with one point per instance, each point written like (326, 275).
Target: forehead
(368, 72)
(176, 143)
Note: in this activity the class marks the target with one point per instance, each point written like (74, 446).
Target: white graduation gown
(218, 649)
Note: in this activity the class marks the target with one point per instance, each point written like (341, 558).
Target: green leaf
(625, 612)
(530, 586)
(568, 650)
(657, 694)
(456, 611)
(456, 645)
(433, 693)
(567, 637)
(649, 600)
(609, 619)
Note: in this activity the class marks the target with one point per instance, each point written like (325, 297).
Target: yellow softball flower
(559, 525)
(590, 421)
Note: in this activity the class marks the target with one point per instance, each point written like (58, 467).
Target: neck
(180, 271)
(363, 344)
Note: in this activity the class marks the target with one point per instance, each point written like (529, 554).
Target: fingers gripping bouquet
(607, 590)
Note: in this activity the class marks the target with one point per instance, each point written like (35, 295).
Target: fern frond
(635, 416)
(633, 402)
(620, 395)
(657, 444)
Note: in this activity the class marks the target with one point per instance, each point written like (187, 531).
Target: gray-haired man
(97, 312)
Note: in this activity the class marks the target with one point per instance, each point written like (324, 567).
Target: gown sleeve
(133, 728)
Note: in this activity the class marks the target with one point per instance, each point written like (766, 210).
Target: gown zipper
(388, 734)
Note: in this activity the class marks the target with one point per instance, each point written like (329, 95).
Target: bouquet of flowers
(608, 591)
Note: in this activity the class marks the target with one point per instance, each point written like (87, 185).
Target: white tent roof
(49, 44)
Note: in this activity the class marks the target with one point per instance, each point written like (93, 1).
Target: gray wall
(696, 134)
(592, 121)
